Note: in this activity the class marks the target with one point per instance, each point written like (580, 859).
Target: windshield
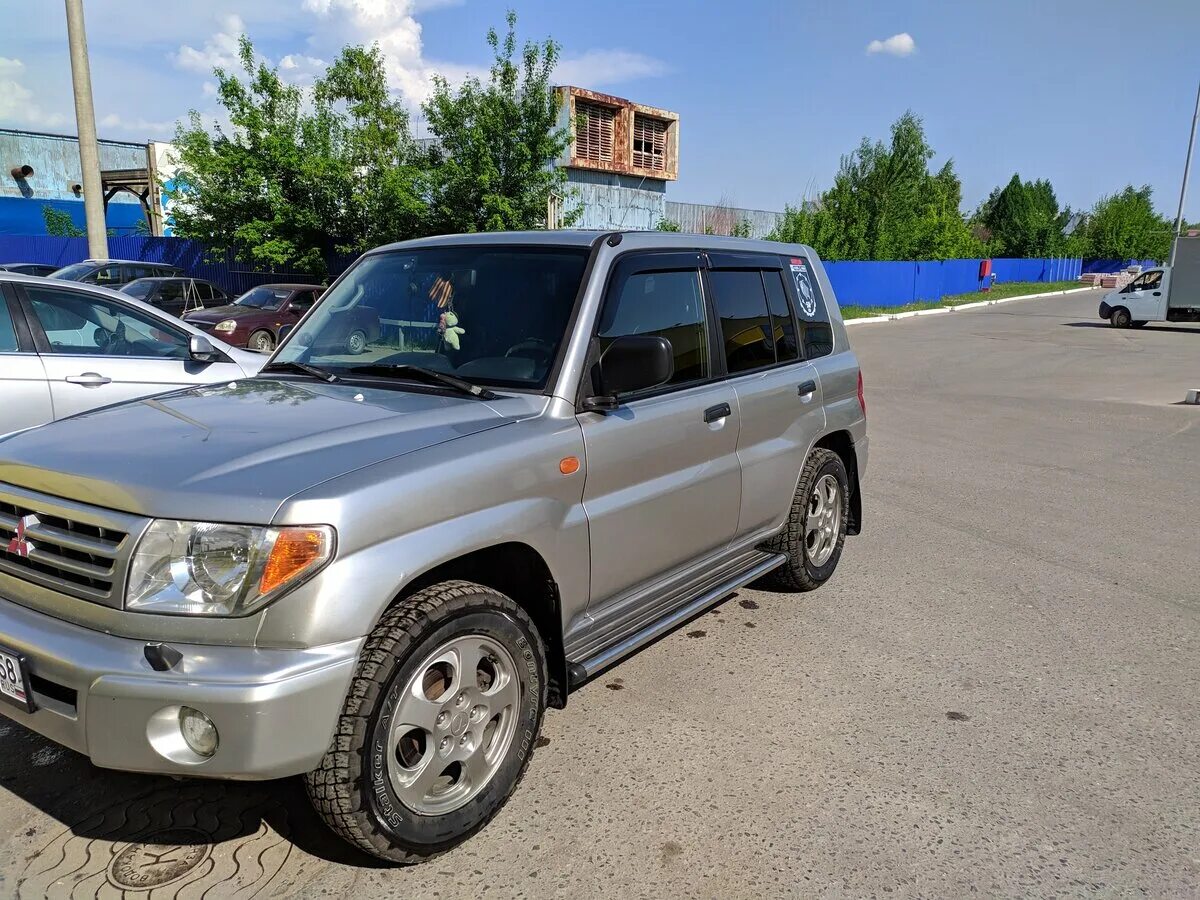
(73, 272)
(263, 298)
(139, 289)
(490, 314)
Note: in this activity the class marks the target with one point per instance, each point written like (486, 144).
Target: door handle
(807, 387)
(89, 379)
(720, 411)
(1158, 293)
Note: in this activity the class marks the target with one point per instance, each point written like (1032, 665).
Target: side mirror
(201, 349)
(284, 331)
(632, 363)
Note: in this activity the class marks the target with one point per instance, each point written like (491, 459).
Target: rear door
(778, 393)
(97, 351)
(24, 390)
(663, 484)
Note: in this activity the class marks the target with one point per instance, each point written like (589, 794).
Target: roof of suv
(581, 238)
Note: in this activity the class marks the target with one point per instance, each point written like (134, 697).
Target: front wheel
(261, 341)
(1120, 318)
(356, 343)
(815, 531)
(438, 726)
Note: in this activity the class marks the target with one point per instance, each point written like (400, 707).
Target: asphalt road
(995, 694)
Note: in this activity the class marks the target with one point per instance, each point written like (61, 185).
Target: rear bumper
(274, 710)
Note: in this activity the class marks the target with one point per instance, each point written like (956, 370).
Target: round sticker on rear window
(804, 288)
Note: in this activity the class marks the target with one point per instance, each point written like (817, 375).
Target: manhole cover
(159, 858)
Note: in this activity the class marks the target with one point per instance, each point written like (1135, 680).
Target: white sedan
(66, 348)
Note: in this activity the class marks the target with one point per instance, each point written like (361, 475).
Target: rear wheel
(356, 343)
(438, 726)
(1120, 318)
(262, 341)
(815, 531)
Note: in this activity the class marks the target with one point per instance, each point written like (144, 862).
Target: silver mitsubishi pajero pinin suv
(481, 469)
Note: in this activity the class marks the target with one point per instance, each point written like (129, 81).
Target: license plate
(14, 680)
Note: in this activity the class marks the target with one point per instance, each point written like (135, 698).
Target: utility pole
(1187, 166)
(85, 120)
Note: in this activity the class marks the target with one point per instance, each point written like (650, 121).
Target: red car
(254, 319)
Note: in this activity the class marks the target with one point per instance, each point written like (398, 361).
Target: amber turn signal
(295, 552)
(568, 465)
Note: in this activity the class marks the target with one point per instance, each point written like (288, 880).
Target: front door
(98, 351)
(663, 483)
(1146, 296)
(24, 391)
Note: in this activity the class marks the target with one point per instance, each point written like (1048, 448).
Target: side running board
(584, 669)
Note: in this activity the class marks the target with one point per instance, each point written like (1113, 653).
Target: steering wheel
(531, 348)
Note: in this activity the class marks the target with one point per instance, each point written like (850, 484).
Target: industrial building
(619, 162)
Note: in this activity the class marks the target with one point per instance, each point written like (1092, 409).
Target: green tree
(886, 204)
(492, 165)
(1126, 226)
(1024, 220)
(665, 224)
(300, 176)
(59, 223)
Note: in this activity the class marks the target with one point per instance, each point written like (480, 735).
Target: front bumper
(275, 710)
(1105, 310)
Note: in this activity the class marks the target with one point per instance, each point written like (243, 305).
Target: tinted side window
(666, 304)
(745, 322)
(8, 334)
(782, 325)
(302, 301)
(170, 291)
(82, 324)
(203, 290)
(816, 335)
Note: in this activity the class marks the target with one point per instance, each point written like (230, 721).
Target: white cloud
(144, 127)
(901, 44)
(219, 51)
(17, 104)
(597, 68)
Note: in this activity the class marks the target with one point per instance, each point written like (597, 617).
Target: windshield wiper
(303, 369)
(429, 376)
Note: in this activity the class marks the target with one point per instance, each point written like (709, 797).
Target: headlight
(227, 326)
(209, 569)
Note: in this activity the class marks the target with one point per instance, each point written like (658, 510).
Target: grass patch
(998, 292)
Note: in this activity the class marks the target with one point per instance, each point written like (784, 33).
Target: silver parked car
(66, 348)
(377, 566)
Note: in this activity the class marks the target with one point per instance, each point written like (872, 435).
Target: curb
(866, 320)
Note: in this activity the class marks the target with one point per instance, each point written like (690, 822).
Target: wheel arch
(841, 443)
(518, 571)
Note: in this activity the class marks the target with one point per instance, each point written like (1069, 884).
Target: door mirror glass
(635, 362)
(200, 348)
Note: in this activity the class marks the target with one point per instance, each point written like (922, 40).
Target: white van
(1163, 294)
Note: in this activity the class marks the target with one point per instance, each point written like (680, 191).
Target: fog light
(198, 731)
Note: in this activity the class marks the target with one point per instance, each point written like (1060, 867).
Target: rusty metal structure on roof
(612, 134)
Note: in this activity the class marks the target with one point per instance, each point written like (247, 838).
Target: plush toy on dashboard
(448, 327)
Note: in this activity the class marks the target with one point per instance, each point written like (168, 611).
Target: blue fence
(856, 283)
(221, 268)
(898, 283)
(1109, 266)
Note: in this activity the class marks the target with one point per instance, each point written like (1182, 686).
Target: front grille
(68, 547)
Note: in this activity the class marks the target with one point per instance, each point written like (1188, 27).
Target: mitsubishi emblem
(20, 545)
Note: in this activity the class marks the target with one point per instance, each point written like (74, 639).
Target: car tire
(356, 343)
(261, 341)
(813, 546)
(373, 787)
(1120, 318)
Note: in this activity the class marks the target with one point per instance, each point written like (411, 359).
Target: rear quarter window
(816, 334)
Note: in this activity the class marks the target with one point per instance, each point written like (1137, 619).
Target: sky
(1091, 94)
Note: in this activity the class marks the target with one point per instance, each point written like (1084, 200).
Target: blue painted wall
(54, 159)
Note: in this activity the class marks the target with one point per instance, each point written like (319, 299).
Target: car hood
(231, 452)
(210, 315)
